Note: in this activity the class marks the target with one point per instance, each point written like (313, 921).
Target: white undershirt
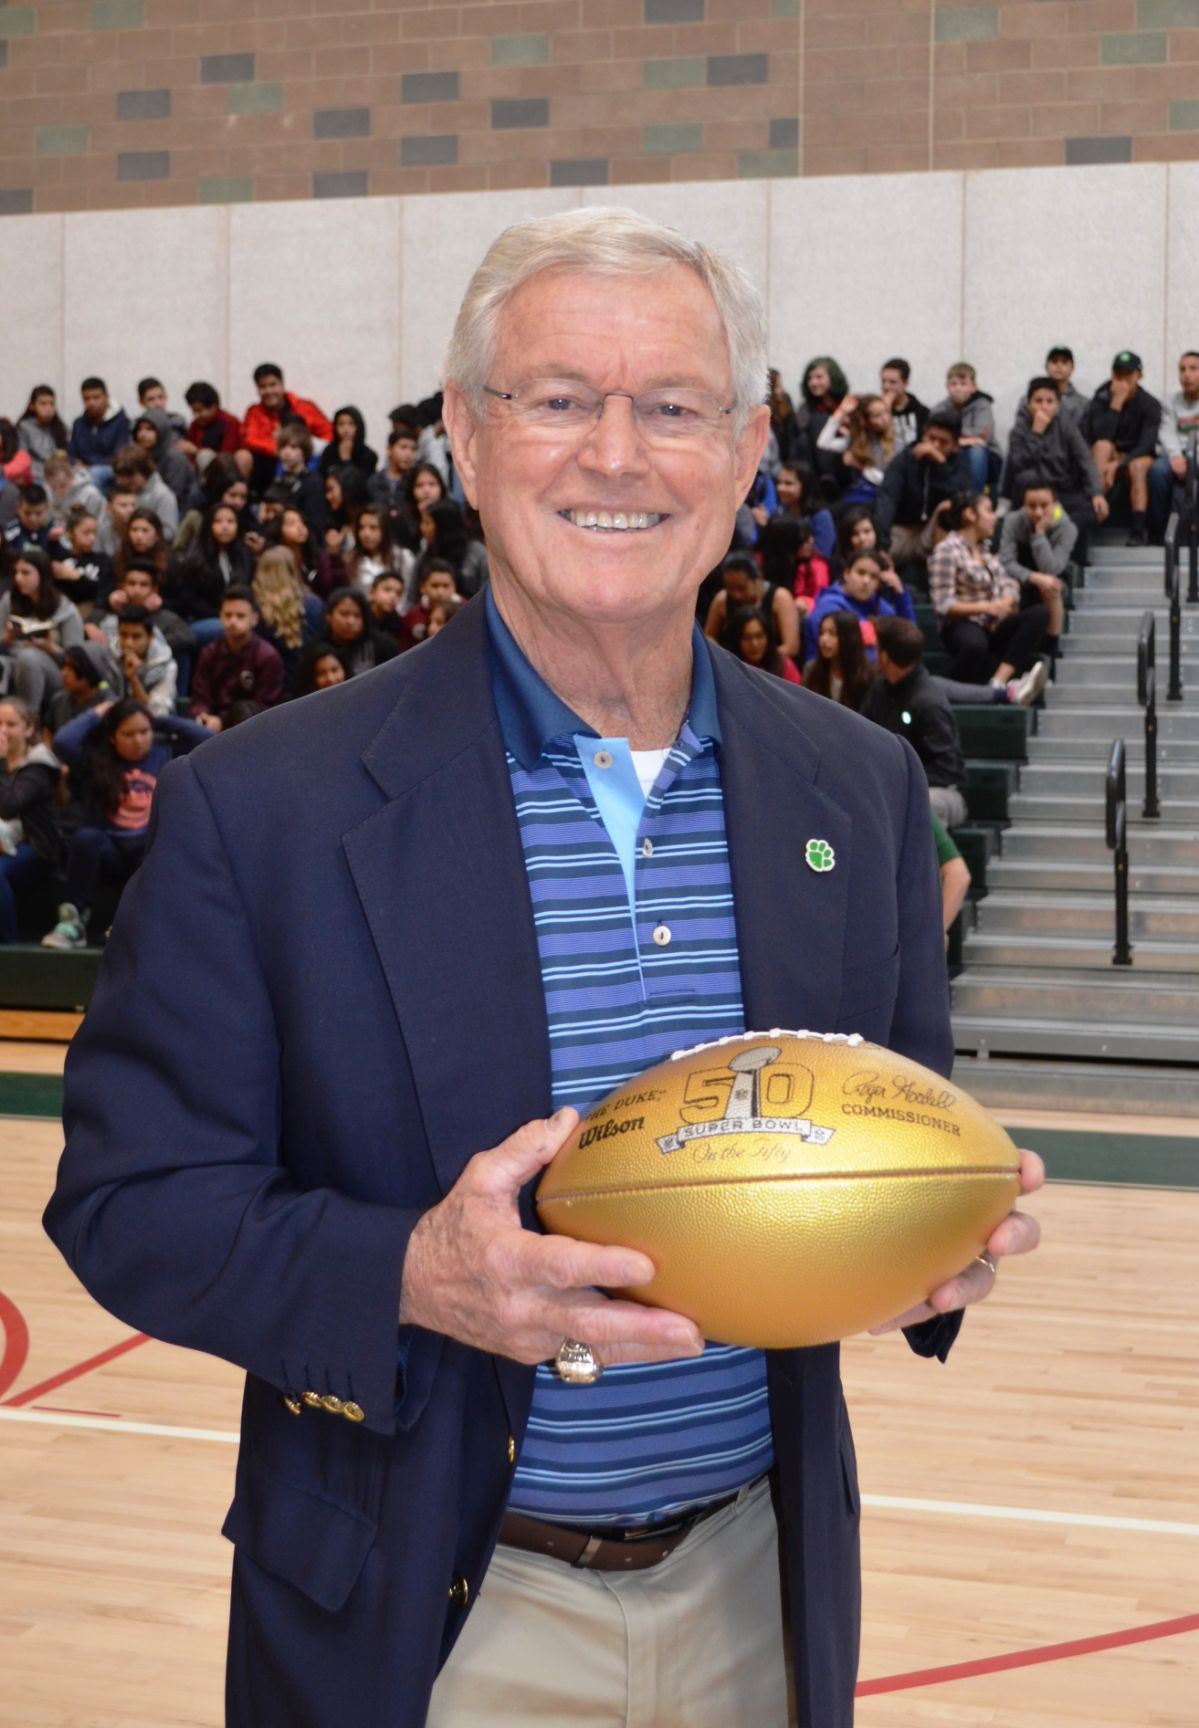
(647, 765)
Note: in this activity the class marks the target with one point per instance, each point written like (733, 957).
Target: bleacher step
(1047, 841)
(1039, 950)
(1067, 1037)
(1088, 914)
(1069, 993)
(1094, 719)
(1070, 876)
(1082, 807)
(1108, 1089)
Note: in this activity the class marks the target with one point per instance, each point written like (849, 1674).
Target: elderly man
(304, 1115)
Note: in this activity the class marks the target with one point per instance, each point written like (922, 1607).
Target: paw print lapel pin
(819, 856)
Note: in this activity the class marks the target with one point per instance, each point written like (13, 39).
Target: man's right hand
(475, 1273)
(1040, 420)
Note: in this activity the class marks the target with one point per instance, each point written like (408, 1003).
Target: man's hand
(889, 578)
(211, 721)
(1046, 583)
(1041, 419)
(1178, 467)
(927, 452)
(1018, 1234)
(475, 1273)
(1100, 506)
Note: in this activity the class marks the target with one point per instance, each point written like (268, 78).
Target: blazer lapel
(790, 968)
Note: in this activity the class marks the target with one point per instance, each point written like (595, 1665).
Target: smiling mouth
(612, 521)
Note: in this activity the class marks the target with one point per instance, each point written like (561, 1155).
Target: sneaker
(1024, 691)
(1138, 537)
(69, 932)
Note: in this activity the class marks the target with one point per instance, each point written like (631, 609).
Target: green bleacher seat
(995, 731)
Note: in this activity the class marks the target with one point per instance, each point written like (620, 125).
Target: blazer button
(291, 1404)
(511, 1450)
(312, 1399)
(332, 1403)
(459, 1590)
(353, 1412)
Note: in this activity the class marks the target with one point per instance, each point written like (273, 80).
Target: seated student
(99, 432)
(147, 664)
(869, 588)
(320, 667)
(213, 431)
(955, 877)
(1035, 545)
(861, 432)
(821, 390)
(89, 677)
(288, 614)
(219, 558)
(387, 483)
(761, 503)
(783, 425)
(1046, 444)
(856, 532)
(450, 541)
(839, 668)
(37, 625)
(1121, 426)
(83, 573)
(976, 411)
(221, 484)
(237, 667)
(123, 500)
(918, 479)
(69, 487)
(992, 625)
(370, 554)
(346, 492)
(790, 560)
(349, 627)
(32, 525)
(744, 586)
(141, 539)
(1059, 365)
(908, 413)
(300, 484)
(29, 843)
(1179, 426)
(140, 586)
(132, 466)
(438, 581)
(906, 700)
(115, 755)
(348, 446)
(794, 483)
(41, 429)
(441, 612)
(412, 525)
(257, 456)
(387, 605)
(154, 433)
(752, 635)
(293, 531)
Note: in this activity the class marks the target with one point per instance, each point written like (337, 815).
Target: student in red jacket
(258, 455)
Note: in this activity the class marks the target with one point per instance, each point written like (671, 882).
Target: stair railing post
(1174, 687)
(1116, 813)
(1147, 697)
(1192, 522)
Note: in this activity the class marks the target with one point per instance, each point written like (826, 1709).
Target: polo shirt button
(647, 848)
(603, 759)
(662, 935)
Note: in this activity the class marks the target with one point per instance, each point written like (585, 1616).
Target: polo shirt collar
(531, 714)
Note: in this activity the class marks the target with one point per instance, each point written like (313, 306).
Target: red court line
(56, 1380)
(1029, 1658)
(16, 1342)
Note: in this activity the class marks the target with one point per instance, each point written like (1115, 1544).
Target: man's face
(1045, 402)
(270, 390)
(959, 389)
(134, 639)
(1038, 507)
(941, 439)
(238, 619)
(95, 404)
(1128, 376)
(861, 579)
(386, 595)
(1188, 375)
(438, 585)
(154, 396)
(121, 507)
(403, 455)
(738, 586)
(292, 459)
(893, 386)
(1059, 369)
(531, 490)
(201, 413)
(32, 516)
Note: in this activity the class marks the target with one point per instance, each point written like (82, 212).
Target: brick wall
(119, 103)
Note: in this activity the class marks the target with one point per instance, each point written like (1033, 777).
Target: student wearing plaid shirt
(992, 625)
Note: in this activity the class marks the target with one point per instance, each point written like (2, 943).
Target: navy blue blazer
(320, 998)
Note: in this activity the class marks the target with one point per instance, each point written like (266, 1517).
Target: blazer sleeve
(173, 1206)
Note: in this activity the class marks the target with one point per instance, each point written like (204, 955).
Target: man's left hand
(1018, 1234)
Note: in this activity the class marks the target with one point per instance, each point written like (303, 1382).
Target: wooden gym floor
(1030, 1529)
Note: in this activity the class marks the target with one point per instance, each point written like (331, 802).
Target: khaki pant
(696, 1642)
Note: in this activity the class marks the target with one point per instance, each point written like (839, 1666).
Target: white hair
(604, 241)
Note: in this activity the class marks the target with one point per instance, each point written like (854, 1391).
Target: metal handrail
(1170, 550)
(1147, 698)
(1191, 494)
(1116, 810)
(1173, 595)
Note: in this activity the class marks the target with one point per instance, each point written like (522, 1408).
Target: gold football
(790, 1187)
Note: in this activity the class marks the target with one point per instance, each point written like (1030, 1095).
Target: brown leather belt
(608, 1550)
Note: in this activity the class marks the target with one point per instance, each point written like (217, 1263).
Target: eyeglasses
(554, 406)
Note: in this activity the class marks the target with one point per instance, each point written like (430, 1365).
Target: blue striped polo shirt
(648, 1440)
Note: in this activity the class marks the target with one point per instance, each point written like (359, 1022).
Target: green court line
(1071, 1155)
